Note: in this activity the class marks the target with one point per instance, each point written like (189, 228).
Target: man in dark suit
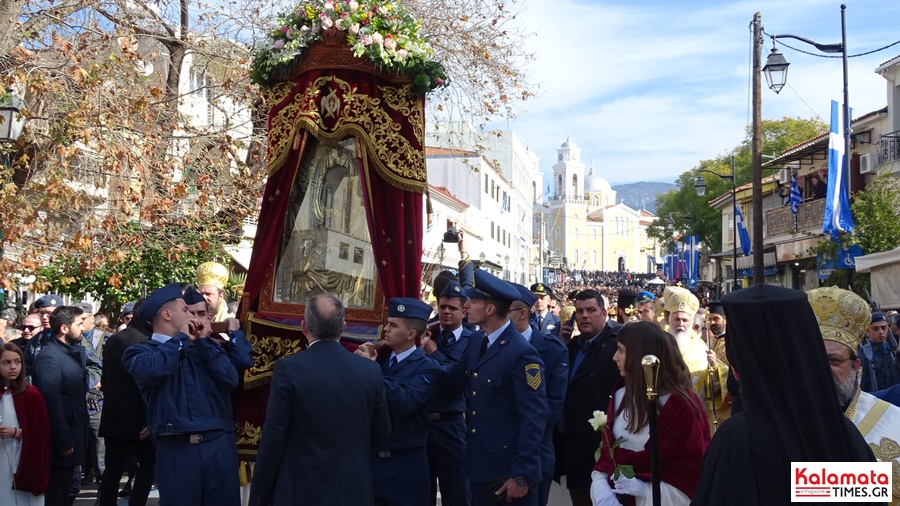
(123, 423)
(505, 400)
(556, 376)
(326, 411)
(542, 318)
(447, 423)
(592, 374)
(60, 375)
(399, 465)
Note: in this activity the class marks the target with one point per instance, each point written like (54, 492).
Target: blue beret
(192, 296)
(878, 316)
(405, 307)
(156, 300)
(453, 289)
(488, 286)
(128, 308)
(48, 300)
(645, 296)
(525, 295)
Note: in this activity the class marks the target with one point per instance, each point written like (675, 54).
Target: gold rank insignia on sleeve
(533, 375)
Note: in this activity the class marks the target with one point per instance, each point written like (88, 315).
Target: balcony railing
(889, 147)
(780, 220)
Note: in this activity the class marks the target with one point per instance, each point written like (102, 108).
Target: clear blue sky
(649, 88)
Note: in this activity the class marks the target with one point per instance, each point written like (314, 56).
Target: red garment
(683, 438)
(33, 472)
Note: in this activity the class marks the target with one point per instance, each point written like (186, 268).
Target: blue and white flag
(837, 203)
(796, 199)
(742, 234)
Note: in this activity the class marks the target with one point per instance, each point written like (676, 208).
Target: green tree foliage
(149, 259)
(682, 202)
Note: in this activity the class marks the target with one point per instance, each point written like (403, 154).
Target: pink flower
(290, 34)
(354, 28)
(367, 40)
(279, 44)
(439, 81)
(390, 43)
(284, 29)
(340, 25)
(327, 23)
(377, 38)
(329, 6)
(402, 54)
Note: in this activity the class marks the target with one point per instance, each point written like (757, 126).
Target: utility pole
(756, 195)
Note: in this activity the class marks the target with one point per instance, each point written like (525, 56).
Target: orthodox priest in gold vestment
(843, 320)
(709, 375)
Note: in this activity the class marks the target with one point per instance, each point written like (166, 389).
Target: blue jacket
(60, 375)
(550, 325)
(506, 408)
(176, 380)
(446, 397)
(555, 356)
(877, 358)
(408, 387)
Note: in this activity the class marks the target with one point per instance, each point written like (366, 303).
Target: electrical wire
(781, 41)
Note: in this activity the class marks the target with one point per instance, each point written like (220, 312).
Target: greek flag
(837, 203)
(742, 234)
(795, 199)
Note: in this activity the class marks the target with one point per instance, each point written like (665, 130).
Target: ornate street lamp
(13, 122)
(700, 186)
(776, 69)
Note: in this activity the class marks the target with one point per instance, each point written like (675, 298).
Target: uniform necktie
(540, 321)
(393, 362)
(484, 345)
(448, 338)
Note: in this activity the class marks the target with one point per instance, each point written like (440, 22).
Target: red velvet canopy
(331, 96)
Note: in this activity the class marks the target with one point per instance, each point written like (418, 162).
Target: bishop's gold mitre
(677, 299)
(212, 273)
(843, 316)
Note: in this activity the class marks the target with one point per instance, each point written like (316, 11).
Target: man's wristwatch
(521, 481)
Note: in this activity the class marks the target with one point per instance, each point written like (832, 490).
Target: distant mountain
(641, 195)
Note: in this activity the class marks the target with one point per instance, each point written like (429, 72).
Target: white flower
(377, 38)
(402, 54)
(354, 28)
(279, 44)
(354, 6)
(367, 40)
(327, 23)
(598, 421)
(390, 43)
(329, 6)
(340, 25)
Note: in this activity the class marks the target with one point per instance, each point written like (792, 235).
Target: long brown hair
(646, 338)
(17, 385)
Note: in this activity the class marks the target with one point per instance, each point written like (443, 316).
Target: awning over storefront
(885, 269)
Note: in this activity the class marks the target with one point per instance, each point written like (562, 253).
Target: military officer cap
(627, 298)
(488, 286)
(128, 308)
(541, 289)
(192, 296)
(407, 307)
(48, 300)
(86, 307)
(525, 295)
(156, 300)
(716, 308)
(453, 289)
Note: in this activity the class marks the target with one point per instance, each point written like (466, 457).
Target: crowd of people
(491, 396)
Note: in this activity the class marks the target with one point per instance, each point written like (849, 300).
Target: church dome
(568, 144)
(596, 184)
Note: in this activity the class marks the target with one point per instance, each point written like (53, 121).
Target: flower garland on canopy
(383, 31)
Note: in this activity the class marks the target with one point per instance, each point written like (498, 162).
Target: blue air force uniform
(505, 404)
(555, 356)
(549, 323)
(400, 466)
(447, 424)
(196, 464)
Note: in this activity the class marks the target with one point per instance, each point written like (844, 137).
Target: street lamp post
(13, 124)
(700, 186)
(776, 77)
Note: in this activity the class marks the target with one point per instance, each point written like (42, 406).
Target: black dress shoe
(126, 490)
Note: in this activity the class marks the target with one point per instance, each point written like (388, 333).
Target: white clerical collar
(495, 334)
(403, 354)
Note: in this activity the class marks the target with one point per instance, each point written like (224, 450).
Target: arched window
(559, 186)
(594, 257)
(557, 233)
(576, 233)
(574, 185)
(595, 201)
(575, 259)
(595, 234)
(621, 264)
